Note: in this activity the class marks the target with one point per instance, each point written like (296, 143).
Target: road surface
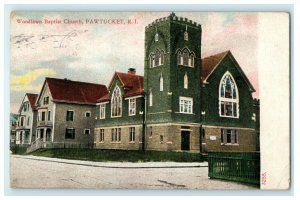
(41, 172)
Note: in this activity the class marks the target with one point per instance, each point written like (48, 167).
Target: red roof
(209, 63)
(32, 99)
(65, 90)
(133, 84)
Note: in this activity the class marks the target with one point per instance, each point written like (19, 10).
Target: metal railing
(239, 167)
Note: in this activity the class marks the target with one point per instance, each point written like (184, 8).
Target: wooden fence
(240, 167)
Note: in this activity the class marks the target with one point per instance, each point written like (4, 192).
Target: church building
(183, 102)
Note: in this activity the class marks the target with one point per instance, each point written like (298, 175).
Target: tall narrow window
(156, 37)
(49, 115)
(179, 59)
(157, 58)
(150, 98)
(70, 115)
(161, 83)
(162, 57)
(116, 103)
(186, 57)
(228, 97)
(102, 111)
(132, 106)
(150, 131)
(192, 60)
(186, 36)
(101, 137)
(186, 81)
(131, 134)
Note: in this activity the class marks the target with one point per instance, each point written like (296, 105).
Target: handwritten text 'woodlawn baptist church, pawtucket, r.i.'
(78, 21)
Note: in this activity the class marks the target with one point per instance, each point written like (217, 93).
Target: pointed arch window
(228, 97)
(185, 81)
(116, 103)
(150, 98)
(157, 58)
(161, 83)
(156, 37)
(186, 57)
(186, 36)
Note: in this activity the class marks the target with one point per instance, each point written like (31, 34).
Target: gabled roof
(64, 90)
(132, 84)
(210, 63)
(32, 100)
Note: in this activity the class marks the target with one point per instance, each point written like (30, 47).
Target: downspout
(144, 123)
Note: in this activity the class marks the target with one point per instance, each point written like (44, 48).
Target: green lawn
(119, 155)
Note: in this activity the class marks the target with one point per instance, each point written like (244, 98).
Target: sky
(69, 45)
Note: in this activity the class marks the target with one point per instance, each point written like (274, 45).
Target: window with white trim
(157, 58)
(228, 97)
(132, 106)
(161, 83)
(102, 111)
(101, 136)
(116, 134)
(116, 103)
(185, 57)
(150, 98)
(46, 100)
(229, 136)
(186, 105)
(131, 134)
(186, 36)
(185, 81)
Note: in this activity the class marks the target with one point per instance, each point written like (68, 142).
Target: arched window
(185, 57)
(185, 81)
(161, 83)
(162, 58)
(150, 98)
(228, 97)
(192, 60)
(186, 36)
(116, 103)
(179, 58)
(157, 58)
(156, 37)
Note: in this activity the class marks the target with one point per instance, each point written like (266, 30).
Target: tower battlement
(173, 18)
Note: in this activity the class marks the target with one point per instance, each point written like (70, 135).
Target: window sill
(229, 116)
(186, 113)
(229, 144)
(131, 142)
(102, 142)
(185, 65)
(116, 116)
(115, 142)
(131, 115)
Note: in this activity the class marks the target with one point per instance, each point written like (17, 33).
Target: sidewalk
(117, 164)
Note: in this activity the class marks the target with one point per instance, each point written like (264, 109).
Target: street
(42, 172)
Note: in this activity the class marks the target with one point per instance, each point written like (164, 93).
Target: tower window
(186, 105)
(161, 83)
(185, 81)
(228, 97)
(157, 58)
(150, 98)
(185, 58)
(186, 36)
(116, 103)
(156, 37)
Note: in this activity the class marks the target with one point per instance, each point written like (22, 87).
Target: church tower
(172, 83)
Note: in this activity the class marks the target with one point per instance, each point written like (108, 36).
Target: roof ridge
(217, 54)
(75, 81)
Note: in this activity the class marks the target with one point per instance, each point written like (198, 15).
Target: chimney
(131, 71)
